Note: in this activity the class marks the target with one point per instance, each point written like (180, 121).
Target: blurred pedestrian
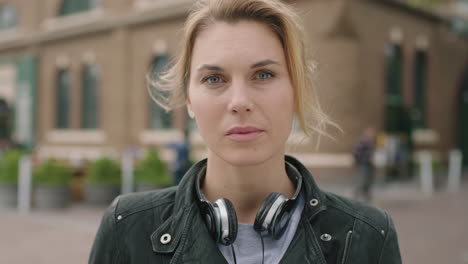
(363, 157)
(182, 161)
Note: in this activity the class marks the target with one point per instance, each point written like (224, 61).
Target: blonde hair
(169, 89)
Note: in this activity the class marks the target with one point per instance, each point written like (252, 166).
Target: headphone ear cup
(211, 219)
(263, 212)
(221, 220)
(281, 219)
(232, 222)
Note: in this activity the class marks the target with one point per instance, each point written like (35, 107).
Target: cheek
(207, 113)
(282, 114)
(283, 107)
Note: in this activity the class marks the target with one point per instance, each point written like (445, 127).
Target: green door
(393, 98)
(418, 114)
(463, 119)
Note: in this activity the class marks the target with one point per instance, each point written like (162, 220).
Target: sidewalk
(48, 237)
(431, 230)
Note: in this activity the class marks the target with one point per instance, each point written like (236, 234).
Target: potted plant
(52, 185)
(103, 181)
(9, 166)
(151, 173)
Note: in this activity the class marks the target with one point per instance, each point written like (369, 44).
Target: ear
(189, 108)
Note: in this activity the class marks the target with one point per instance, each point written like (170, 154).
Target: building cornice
(92, 22)
(405, 7)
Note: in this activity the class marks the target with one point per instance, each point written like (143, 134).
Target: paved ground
(432, 230)
(48, 237)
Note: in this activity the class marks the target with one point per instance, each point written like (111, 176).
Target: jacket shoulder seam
(386, 237)
(114, 233)
(147, 206)
(358, 215)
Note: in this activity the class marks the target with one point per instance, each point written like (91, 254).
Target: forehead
(244, 41)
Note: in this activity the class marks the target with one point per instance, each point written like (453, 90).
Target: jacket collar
(186, 214)
(315, 198)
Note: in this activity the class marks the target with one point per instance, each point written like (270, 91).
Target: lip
(244, 134)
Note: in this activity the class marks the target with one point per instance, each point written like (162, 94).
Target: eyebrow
(263, 63)
(255, 65)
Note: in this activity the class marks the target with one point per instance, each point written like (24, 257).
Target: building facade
(73, 75)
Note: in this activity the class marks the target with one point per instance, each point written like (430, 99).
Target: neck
(246, 186)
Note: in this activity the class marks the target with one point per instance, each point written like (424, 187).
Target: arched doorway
(463, 117)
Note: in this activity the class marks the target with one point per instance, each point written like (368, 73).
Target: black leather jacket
(165, 226)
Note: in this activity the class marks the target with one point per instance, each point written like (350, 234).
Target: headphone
(271, 219)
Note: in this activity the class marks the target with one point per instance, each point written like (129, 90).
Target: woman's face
(240, 92)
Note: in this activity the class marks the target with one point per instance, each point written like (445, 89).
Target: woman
(243, 76)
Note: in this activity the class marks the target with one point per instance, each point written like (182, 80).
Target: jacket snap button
(119, 217)
(166, 238)
(314, 202)
(383, 232)
(325, 237)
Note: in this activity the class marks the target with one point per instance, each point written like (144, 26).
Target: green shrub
(153, 171)
(52, 173)
(9, 166)
(437, 167)
(104, 171)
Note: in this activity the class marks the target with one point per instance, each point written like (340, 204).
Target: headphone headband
(296, 177)
(272, 217)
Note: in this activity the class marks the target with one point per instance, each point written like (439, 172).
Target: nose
(240, 101)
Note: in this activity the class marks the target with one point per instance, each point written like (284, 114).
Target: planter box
(8, 195)
(100, 194)
(51, 197)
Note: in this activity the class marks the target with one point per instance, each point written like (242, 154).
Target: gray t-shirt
(248, 245)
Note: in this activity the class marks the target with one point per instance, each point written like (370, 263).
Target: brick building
(73, 74)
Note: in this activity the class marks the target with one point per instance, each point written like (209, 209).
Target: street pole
(455, 168)
(127, 172)
(426, 174)
(24, 185)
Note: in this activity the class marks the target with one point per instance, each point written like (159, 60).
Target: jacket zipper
(348, 239)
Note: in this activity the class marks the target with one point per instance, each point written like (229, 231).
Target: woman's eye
(264, 75)
(212, 79)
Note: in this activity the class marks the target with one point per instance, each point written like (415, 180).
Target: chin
(242, 158)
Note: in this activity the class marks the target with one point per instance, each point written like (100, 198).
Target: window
(8, 17)
(394, 77)
(63, 99)
(419, 93)
(159, 118)
(69, 7)
(90, 97)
